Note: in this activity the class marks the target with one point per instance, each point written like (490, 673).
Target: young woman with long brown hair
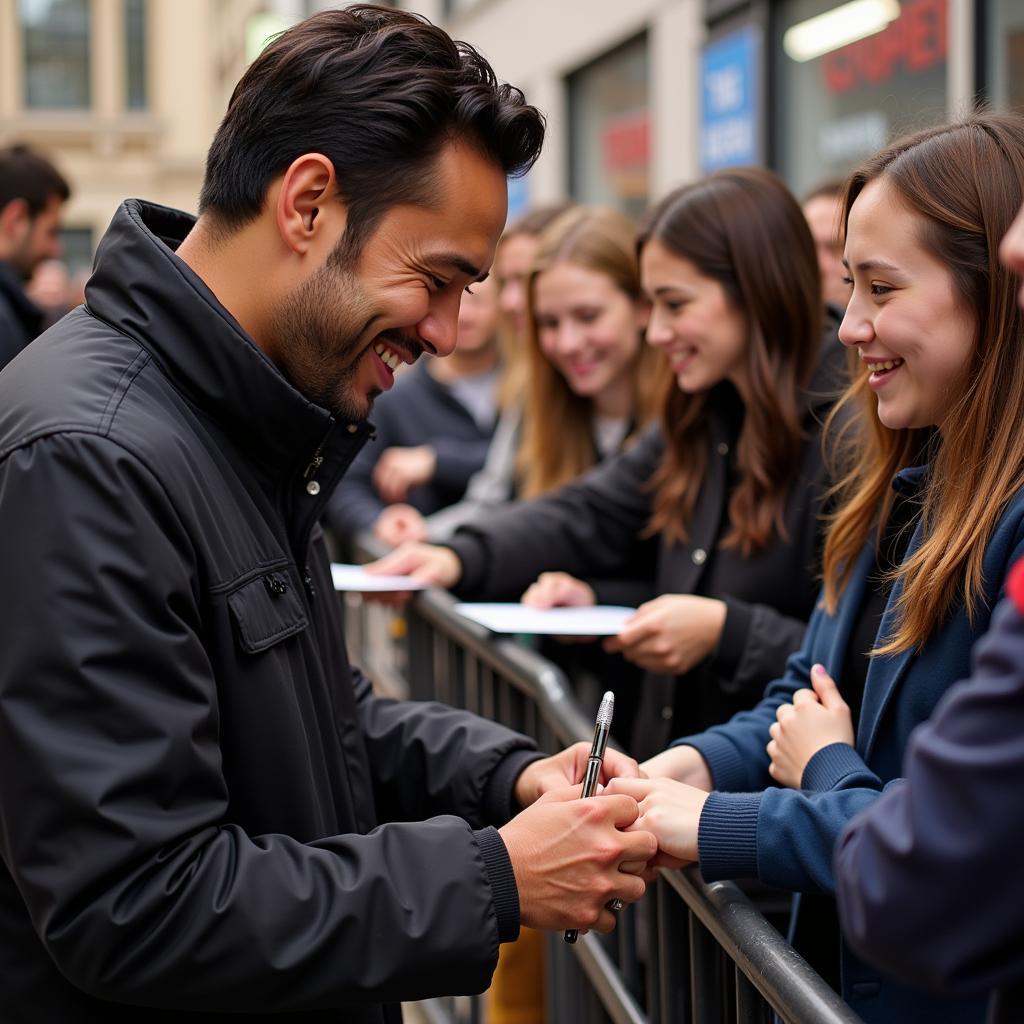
(930, 517)
(717, 505)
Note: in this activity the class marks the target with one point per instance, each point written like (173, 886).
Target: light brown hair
(743, 229)
(557, 442)
(966, 182)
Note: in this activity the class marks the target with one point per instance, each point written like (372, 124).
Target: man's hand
(567, 769)
(569, 855)
(815, 719)
(398, 470)
(400, 524)
(683, 764)
(670, 634)
(558, 590)
(669, 810)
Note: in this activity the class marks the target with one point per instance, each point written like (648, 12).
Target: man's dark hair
(377, 91)
(26, 174)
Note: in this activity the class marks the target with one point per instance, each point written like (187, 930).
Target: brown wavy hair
(557, 442)
(966, 182)
(742, 228)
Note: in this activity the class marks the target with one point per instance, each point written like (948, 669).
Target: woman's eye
(880, 289)
(848, 281)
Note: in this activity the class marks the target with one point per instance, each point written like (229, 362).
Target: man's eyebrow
(460, 263)
(868, 265)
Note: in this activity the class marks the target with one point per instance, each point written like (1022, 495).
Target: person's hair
(742, 228)
(557, 443)
(379, 92)
(515, 367)
(831, 189)
(965, 183)
(28, 175)
(536, 220)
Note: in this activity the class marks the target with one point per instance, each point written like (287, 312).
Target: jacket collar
(144, 290)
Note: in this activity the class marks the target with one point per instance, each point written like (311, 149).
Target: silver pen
(602, 730)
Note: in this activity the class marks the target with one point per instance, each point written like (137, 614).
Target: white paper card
(595, 620)
(355, 577)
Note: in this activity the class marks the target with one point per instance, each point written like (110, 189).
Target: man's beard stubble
(317, 330)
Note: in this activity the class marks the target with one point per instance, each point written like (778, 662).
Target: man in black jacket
(32, 195)
(203, 809)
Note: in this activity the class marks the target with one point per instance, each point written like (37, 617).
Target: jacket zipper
(315, 462)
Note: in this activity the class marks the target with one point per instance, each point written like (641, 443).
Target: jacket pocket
(266, 610)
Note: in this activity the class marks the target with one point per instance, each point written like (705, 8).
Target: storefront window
(609, 130)
(832, 111)
(1006, 54)
(135, 54)
(56, 34)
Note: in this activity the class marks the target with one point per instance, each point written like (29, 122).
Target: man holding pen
(203, 809)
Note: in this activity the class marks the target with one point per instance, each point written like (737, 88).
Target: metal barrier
(690, 951)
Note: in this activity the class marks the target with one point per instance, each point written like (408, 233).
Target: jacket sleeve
(457, 460)
(114, 821)
(735, 752)
(587, 528)
(930, 881)
(428, 758)
(755, 643)
(489, 488)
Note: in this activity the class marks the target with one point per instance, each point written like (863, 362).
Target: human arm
(929, 881)
(587, 528)
(489, 488)
(128, 851)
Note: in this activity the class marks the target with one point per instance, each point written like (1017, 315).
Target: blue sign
(518, 198)
(729, 123)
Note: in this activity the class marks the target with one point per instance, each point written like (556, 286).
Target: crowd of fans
(815, 540)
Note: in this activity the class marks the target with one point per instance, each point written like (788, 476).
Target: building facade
(640, 95)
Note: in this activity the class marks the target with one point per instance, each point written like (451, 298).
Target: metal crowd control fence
(690, 953)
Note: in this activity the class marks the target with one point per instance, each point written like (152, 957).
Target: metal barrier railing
(690, 952)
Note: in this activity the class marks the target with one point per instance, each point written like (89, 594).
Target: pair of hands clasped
(569, 864)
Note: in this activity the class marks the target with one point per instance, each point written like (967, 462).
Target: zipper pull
(312, 484)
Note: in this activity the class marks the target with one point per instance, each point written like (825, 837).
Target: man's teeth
(387, 357)
(889, 364)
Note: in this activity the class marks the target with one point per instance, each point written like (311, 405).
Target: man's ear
(13, 220)
(308, 205)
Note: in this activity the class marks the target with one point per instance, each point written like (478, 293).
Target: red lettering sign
(626, 141)
(915, 41)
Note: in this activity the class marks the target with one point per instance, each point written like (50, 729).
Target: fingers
(826, 689)
(618, 765)
(637, 788)
(784, 711)
(805, 696)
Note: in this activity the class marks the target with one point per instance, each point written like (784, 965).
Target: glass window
(832, 111)
(1006, 54)
(609, 129)
(135, 54)
(77, 248)
(56, 36)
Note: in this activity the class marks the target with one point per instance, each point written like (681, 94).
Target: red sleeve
(1015, 585)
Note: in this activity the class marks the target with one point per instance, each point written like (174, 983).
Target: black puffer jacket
(191, 776)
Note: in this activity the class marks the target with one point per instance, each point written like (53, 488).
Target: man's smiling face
(341, 334)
